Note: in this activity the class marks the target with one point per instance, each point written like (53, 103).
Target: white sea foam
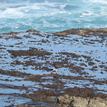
(87, 13)
(53, 15)
(99, 1)
(11, 12)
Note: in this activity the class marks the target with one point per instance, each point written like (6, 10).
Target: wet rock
(83, 32)
(65, 100)
(72, 101)
(71, 65)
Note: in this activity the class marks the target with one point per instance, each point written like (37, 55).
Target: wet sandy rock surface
(37, 68)
(71, 101)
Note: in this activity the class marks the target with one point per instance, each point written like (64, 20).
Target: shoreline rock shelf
(59, 69)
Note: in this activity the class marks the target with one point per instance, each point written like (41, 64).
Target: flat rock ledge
(72, 101)
(76, 31)
(84, 32)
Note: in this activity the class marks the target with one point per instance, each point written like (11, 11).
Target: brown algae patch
(13, 73)
(31, 52)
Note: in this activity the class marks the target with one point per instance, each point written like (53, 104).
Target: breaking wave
(52, 15)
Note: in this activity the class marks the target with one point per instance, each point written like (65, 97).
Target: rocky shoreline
(62, 69)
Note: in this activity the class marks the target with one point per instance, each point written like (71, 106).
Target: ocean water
(52, 15)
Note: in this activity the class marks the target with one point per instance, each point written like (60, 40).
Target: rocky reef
(62, 69)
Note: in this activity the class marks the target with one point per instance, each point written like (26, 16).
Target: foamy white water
(52, 15)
